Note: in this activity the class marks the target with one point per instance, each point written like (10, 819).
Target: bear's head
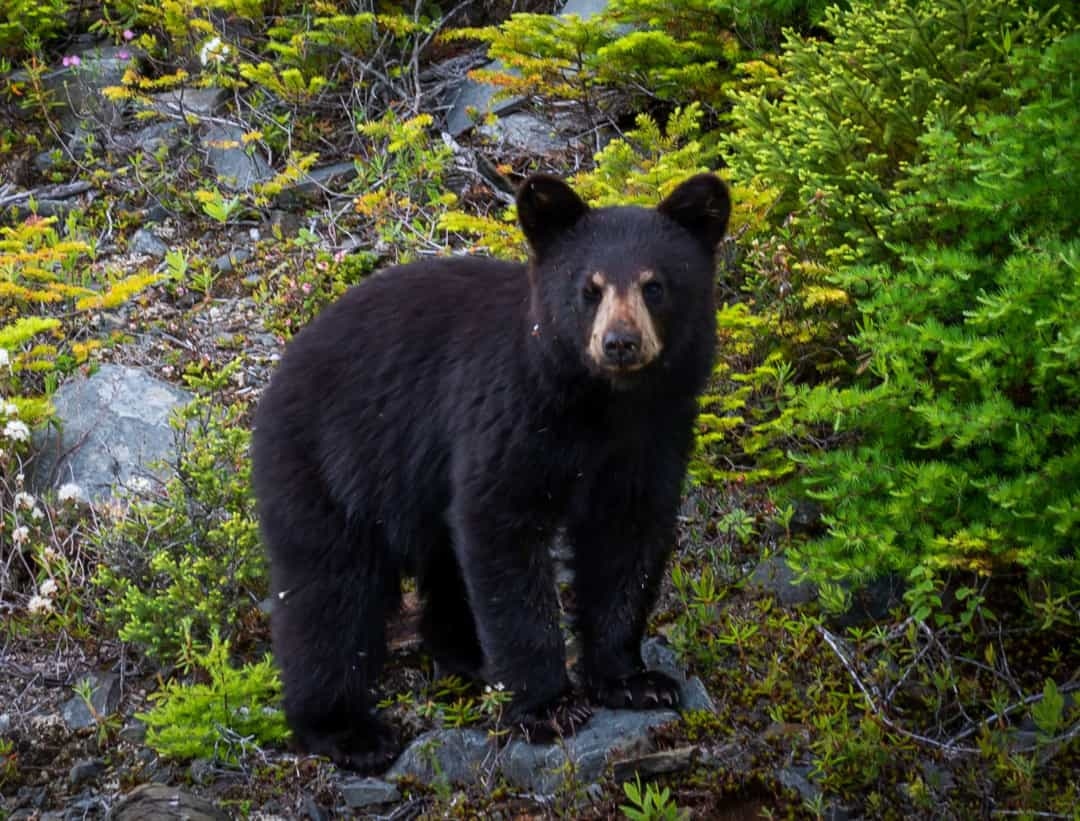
(625, 290)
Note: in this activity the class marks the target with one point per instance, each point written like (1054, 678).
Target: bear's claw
(646, 690)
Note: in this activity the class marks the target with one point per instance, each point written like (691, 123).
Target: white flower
(16, 430)
(213, 50)
(39, 604)
(10, 408)
(37, 514)
(69, 492)
(20, 534)
(24, 499)
(5, 358)
(47, 588)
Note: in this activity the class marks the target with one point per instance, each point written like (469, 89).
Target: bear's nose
(622, 346)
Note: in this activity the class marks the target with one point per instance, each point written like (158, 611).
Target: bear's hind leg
(332, 589)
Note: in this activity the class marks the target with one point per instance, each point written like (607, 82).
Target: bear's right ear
(547, 207)
(702, 206)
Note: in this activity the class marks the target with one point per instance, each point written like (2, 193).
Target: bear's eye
(592, 292)
(653, 291)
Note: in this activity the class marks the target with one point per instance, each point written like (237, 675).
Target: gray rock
(86, 770)
(227, 262)
(658, 763)
(525, 133)
(104, 698)
(114, 424)
(133, 731)
(313, 810)
(150, 139)
(583, 8)
(81, 808)
(146, 242)
(315, 181)
(773, 575)
(365, 792)
(453, 755)
(798, 779)
(202, 102)
(693, 695)
(230, 160)
(610, 734)
(466, 756)
(5, 722)
(159, 802)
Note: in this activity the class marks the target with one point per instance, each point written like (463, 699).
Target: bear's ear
(547, 207)
(702, 206)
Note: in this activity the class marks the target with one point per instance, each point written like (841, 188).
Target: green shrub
(25, 25)
(187, 560)
(840, 121)
(959, 443)
(236, 709)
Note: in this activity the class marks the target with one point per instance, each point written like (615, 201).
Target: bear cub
(445, 418)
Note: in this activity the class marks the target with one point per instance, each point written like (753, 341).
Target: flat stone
(467, 756)
(160, 802)
(113, 426)
(86, 770)
(202, 102)
(146, 242)
(366, 792)
(230, 159)
(525, 133)
(104, 699)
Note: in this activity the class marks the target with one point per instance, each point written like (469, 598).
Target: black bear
(445, 418)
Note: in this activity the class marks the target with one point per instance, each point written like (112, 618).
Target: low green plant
(221, 719)
(650, 802)
(27, 25)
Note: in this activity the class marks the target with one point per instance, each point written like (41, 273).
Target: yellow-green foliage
(45, 289)
(236, 708)
(677, 50)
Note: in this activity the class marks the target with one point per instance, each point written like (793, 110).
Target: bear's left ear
(702, 206)
(547, 207)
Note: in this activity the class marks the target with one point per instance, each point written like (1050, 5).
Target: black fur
(442, 420)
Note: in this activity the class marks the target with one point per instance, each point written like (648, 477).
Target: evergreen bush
(939, 142)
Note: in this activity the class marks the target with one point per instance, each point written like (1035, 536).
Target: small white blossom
(69, 492)
(20, 534)
(47, 587)
(5, 358)
(10, 408)
(213, 51)
(37, 514)
(24, 500)
(16, 430)
(40, 604)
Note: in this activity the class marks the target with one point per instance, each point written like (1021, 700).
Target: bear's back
(358, 386)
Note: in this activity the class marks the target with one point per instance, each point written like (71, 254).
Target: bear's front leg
(619, 562)
(510, 581)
